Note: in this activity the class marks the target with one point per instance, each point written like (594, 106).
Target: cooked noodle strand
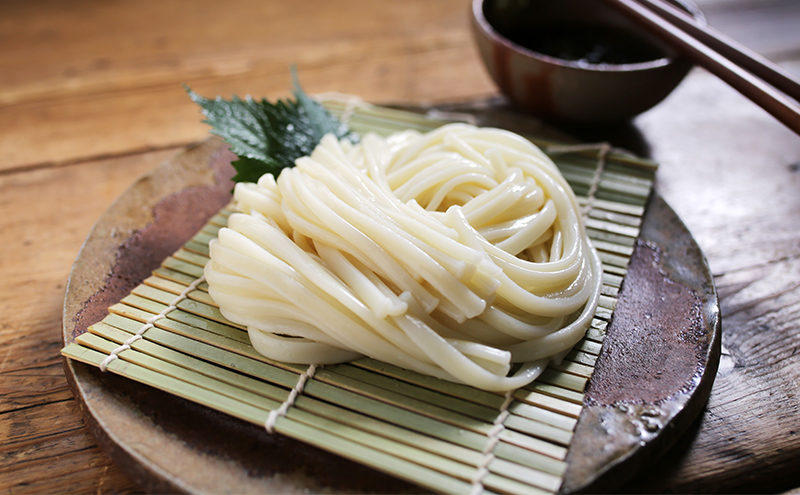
(459, 253)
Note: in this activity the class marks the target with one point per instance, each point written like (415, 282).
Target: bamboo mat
(442, 436)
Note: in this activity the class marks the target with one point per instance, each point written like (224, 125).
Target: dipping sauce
(587, 43)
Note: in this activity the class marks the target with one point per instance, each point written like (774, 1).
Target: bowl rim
(483, 24)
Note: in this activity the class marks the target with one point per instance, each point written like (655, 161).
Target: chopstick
(737, 53)
(752, 75)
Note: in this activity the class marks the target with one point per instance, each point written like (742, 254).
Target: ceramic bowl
(525, 46)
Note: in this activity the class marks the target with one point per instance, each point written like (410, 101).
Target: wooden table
(91, 97)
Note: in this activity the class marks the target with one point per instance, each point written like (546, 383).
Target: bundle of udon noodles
(459, 253)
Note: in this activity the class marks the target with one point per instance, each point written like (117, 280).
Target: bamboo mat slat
(422, 429)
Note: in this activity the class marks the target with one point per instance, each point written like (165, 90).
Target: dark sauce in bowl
(585, 43)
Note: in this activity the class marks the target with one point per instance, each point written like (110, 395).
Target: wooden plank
(51, 438)
(31, 386)
(768, 27)
(39, 246)
(132, 94)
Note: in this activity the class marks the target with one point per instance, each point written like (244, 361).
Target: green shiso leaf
(268, 137)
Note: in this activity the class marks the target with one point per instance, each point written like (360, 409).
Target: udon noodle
(459, 253)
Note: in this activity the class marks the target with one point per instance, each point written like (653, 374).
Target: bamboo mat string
(352, 103)
(150, 323)
(492, 439)
(469, 118)
(273, 415)
(603, 149)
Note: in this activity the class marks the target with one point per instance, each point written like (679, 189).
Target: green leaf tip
(268, 137)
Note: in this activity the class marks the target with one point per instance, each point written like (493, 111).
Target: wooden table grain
(91, 97)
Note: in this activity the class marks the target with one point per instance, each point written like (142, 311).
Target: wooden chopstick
(737, 53)
(750, 74)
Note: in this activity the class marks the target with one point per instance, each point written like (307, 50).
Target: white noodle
(455, 253)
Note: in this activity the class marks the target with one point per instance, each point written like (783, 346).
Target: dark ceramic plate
(651, 380)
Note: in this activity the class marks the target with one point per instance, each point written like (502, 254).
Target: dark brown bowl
(574, 90)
